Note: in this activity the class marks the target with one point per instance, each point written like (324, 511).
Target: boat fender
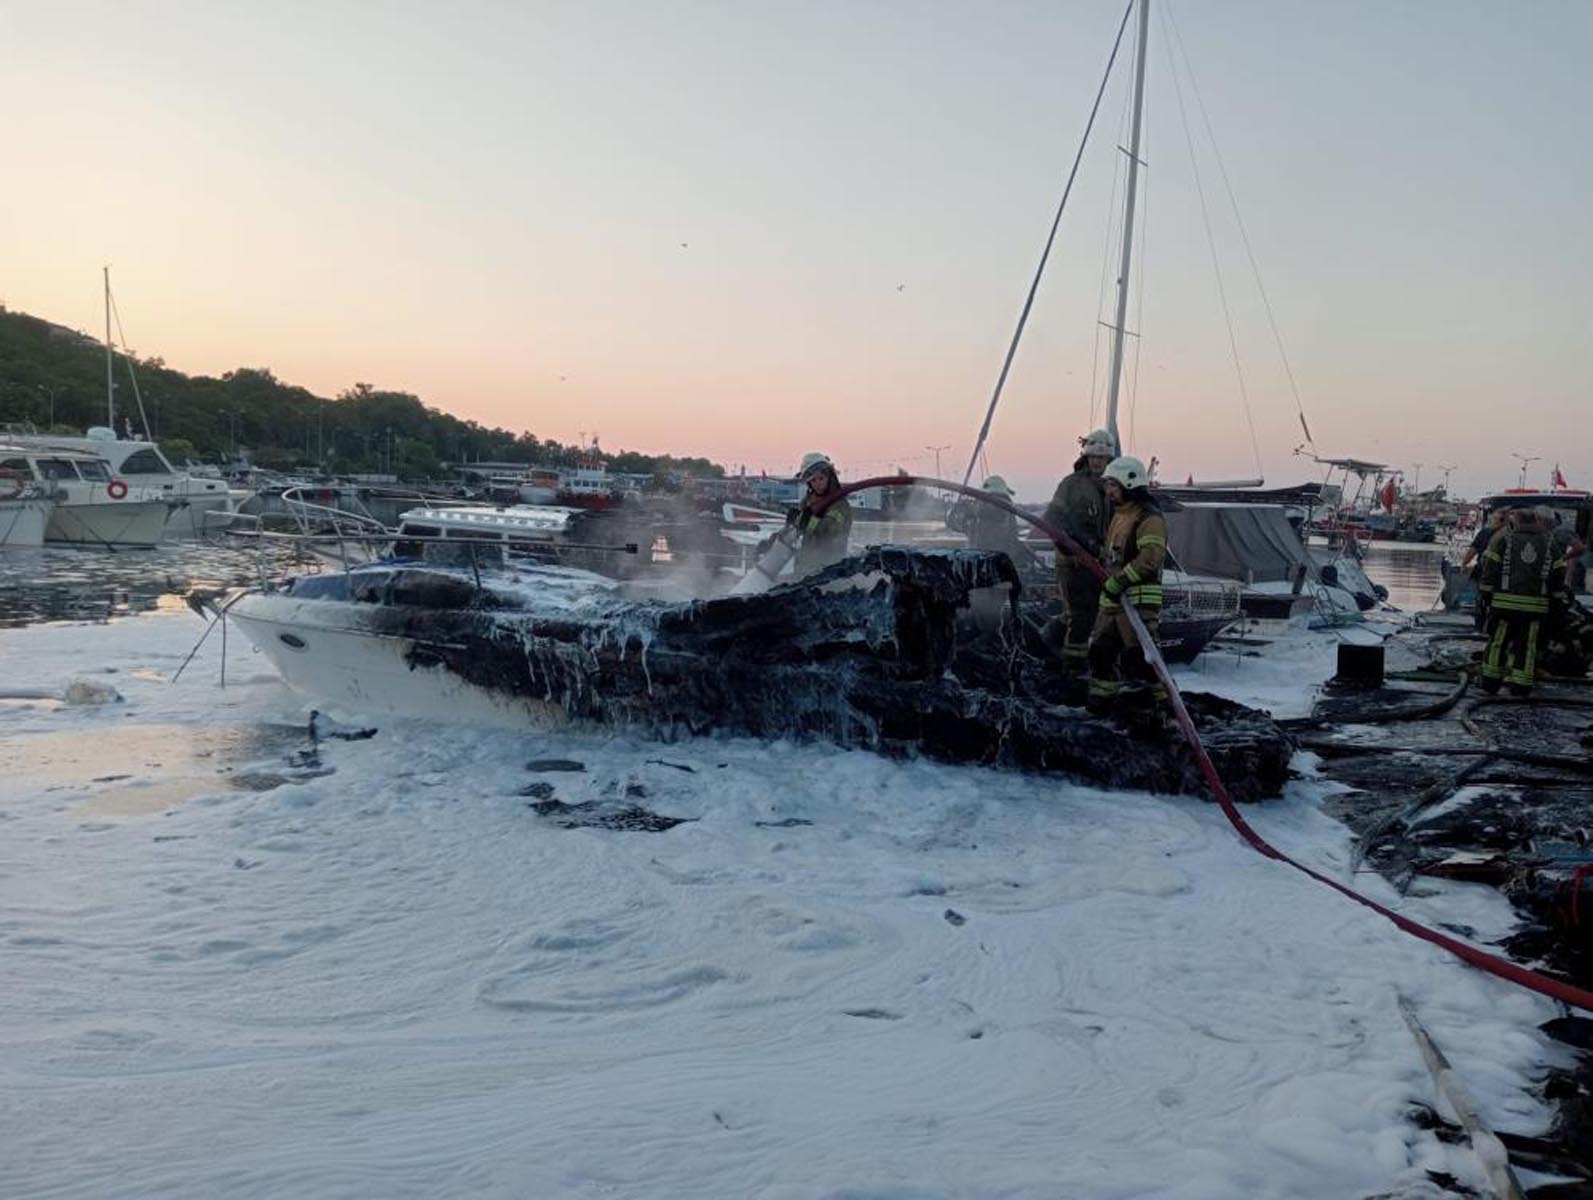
(116, 489)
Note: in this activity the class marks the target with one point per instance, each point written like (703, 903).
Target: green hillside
(50, 372)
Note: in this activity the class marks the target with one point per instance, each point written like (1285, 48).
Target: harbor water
(70, 583)
(1412, 572)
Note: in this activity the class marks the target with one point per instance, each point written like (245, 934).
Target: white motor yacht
(140, 464)
(24, 511)
(89, 506)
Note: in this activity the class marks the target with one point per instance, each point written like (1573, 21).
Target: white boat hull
(198, 514)
(353, 672)
(22, 522)
(128, 522)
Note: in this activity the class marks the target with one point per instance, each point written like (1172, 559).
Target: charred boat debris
(872, 653)
(1444, 783)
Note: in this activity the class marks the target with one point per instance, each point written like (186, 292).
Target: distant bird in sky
(562, 378)
(901, 287)
(683, 245)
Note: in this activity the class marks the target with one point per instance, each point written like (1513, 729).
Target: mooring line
(1493, 964)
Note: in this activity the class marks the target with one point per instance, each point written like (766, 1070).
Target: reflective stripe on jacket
(1136, 548)
(824, 537)
(1516, 568)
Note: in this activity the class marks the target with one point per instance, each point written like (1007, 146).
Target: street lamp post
(1525, 460)
(935, 450)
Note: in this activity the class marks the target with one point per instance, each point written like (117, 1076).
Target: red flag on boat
(1190, 482)
(1558, 479)
(1389, 496)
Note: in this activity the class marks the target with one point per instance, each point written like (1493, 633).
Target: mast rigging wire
(1109, 253)
(1028, 303)
(1139, 299)
(1216, 264)
(128, 359)
(1244, 236)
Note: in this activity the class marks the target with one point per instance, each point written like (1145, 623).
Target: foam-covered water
(369, 968)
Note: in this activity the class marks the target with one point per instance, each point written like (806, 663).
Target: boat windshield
(467, 552)
(57, 468)
(94, 469)
(145, 462)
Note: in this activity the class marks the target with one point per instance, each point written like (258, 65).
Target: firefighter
(824, 534)
(1568, 628)
(1491, 526)
(1136, 547)
(986, 526)
(1079, 509)
(1516, 570)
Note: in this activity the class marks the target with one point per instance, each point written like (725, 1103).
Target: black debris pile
(560, 766)
(871, 653)
(597, 814)
(1497, 791)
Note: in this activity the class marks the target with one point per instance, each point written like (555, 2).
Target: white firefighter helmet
(1129, 472)
(812, 463)
(998, 486)
(1098, 443)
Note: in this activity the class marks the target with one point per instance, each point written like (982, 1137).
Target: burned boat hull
(869, 654)
(329, 653)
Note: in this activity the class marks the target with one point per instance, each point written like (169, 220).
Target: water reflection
(69, 583)
(1410, 571)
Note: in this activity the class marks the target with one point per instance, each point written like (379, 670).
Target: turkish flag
(1389, 496)
(1558, 480)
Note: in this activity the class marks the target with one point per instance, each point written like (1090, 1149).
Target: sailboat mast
(110, 379)
(1115, 379)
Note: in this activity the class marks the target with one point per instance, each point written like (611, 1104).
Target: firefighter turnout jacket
(1078, 508)
(1136, 548)
(1515, 570)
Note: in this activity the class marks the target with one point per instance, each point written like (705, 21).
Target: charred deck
(872, 653)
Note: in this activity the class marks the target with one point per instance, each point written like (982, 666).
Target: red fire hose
(1492, 963)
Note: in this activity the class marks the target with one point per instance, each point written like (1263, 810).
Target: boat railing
(332, 549)
(1202, 598)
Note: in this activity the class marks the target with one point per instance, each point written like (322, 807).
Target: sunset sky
(752, 229)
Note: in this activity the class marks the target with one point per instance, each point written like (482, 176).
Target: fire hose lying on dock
(1493, 964)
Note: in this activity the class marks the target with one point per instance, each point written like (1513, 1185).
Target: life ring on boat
(116, 489)
(12, 484)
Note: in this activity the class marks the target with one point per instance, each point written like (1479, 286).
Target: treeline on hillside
(54, 378)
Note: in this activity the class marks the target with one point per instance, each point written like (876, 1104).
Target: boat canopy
(1253, 543)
